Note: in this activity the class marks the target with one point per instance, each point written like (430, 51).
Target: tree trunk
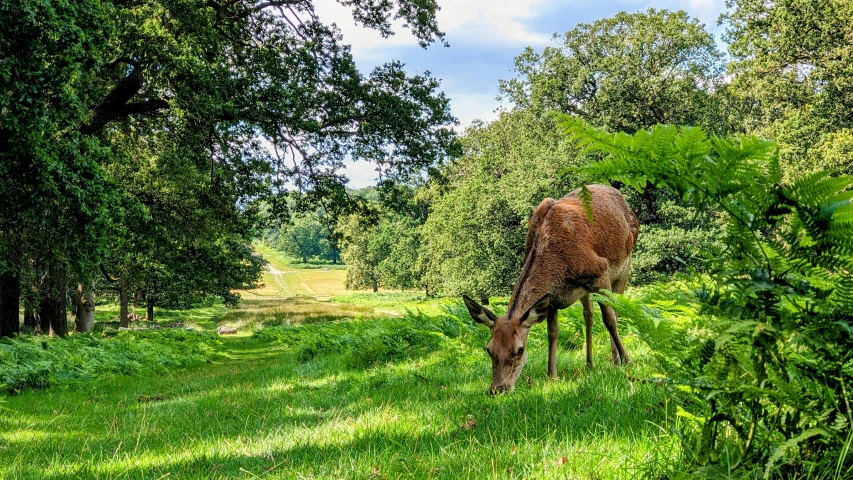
(10, 303)
(84, 317)
(139, 296)
(484, 300)
(44, 322)
(30, 317)
(304, 260)
(54, 317)
(375, 287)
(149, 311)
(122, 300)
(76, 297)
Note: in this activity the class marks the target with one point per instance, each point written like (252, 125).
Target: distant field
(283, 280)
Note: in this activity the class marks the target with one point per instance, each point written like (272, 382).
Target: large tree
(305, 237)
(791, 66)
(215, 76)
(627, 72)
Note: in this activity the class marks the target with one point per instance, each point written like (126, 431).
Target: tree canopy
(207, 85)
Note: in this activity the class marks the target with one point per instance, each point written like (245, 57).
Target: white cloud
(361, 174)
(495, 23)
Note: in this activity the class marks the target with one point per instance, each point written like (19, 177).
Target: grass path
(282, 280)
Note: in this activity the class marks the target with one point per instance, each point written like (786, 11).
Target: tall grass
(30, 362)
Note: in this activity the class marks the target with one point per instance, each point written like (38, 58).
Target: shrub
(37, 362)
(771, 368)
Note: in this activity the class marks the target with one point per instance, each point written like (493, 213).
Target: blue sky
(485, 36)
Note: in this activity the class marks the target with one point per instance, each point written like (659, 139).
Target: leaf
(782, 449)
(586, 201)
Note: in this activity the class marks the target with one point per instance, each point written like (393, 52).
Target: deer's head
(508, 345)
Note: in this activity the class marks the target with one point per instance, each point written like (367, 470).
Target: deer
(566, 258)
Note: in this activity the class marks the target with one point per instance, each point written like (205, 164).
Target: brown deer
(565, 259)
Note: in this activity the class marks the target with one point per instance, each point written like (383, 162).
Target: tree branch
(115, 103)
(107, 275)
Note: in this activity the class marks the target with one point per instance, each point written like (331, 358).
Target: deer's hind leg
(610, 321)
(618, 287)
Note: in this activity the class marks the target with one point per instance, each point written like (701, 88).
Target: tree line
(139, 142)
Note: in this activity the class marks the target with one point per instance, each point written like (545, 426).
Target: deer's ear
(538, 312)
(479, 313)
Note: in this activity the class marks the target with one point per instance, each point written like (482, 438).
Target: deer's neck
(538, 277)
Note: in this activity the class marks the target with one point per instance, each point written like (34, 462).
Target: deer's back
(565, 252)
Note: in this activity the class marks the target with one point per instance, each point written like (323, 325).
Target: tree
(627, 72)
(182, 235)
(305, 238)
(215, 77)
(380, 252)
(790, 65)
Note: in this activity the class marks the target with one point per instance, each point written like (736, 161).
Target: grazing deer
(565, 259)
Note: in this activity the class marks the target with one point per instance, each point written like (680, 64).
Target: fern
(773, 373)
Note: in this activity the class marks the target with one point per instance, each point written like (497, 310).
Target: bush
(768, 360)
(31, 362)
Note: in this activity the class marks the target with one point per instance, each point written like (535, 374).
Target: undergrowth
(31, 362)
(359, 344)
(767, 358)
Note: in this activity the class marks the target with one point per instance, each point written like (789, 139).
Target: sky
(484, 37)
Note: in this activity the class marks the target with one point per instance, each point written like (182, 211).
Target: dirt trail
(276, 273)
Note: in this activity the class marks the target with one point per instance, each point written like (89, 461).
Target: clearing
(267, 409)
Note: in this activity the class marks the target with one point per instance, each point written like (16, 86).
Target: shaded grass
(106, 316)
(265, 413)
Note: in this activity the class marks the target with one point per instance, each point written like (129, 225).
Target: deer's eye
(520, 351)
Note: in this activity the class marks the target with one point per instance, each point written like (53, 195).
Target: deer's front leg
(587, 323)
(553, 335)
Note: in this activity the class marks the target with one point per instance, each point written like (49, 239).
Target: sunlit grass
(262, 413)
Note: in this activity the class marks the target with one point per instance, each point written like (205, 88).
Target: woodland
(185, 159)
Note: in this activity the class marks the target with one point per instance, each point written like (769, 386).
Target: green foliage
(791, 73)
(773, 373)
(680, 239)
(34, 363)
(380, 253)
(364, 344)
(627, 72)
(306, 238)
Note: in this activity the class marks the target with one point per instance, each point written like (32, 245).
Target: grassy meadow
(345, 385)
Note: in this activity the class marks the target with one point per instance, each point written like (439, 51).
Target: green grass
(265, 411)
